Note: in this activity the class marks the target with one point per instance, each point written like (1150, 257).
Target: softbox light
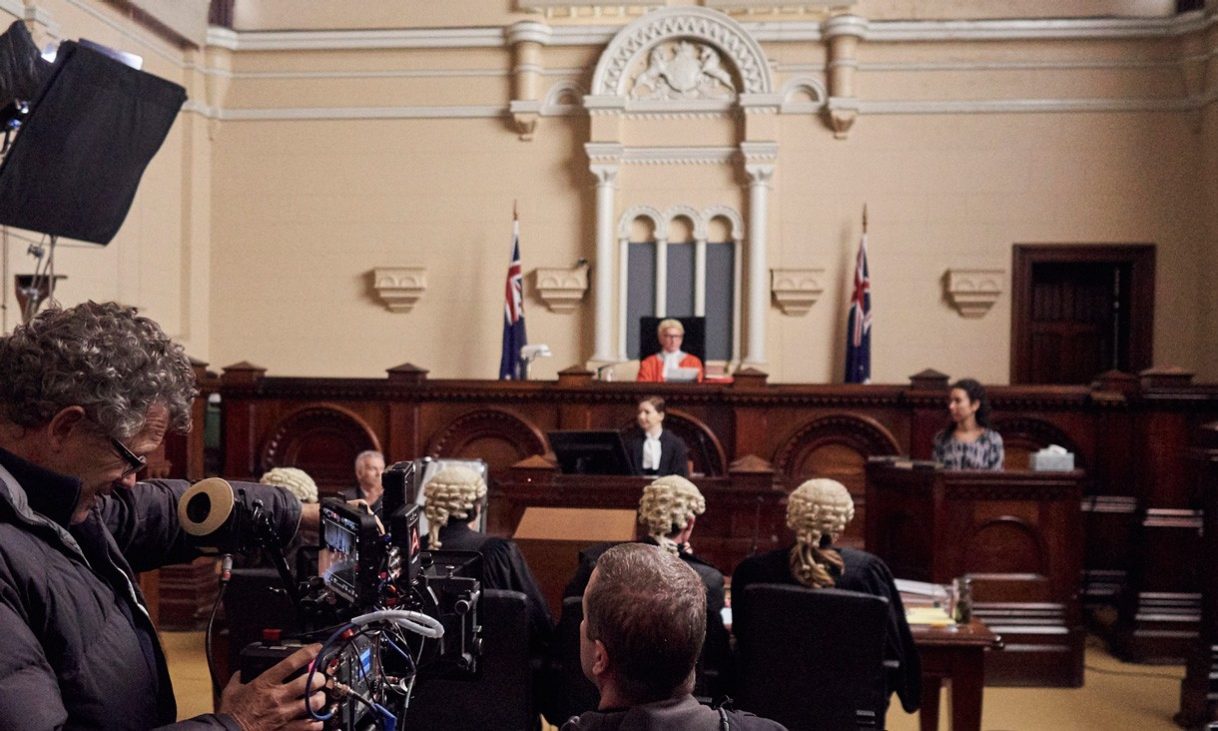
(91, 131)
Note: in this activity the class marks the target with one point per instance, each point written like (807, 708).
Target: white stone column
(700, 277)
(759, 291)
(661, 293)
(606, 182)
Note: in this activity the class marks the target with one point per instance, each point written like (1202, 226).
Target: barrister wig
(818, 511)
(454, 492)
(295, 481)
(667, 506)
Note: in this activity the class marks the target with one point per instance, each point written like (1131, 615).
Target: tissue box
(1051, 461)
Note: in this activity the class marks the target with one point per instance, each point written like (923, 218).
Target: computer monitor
(590, 452)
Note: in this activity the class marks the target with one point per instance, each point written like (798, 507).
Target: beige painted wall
(292, 176)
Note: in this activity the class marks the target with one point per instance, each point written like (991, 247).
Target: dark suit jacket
(674, 457)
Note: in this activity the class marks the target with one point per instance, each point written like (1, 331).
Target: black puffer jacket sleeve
(144, 520)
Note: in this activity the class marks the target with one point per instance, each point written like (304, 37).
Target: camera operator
(86, 394)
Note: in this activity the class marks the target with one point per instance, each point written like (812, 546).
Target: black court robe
(503, 567)
(864, 573)
(674, 456)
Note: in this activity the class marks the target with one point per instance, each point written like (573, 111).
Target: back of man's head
(648, 608)
(105, 358)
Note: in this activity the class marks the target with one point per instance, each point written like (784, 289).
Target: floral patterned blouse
(984, 454)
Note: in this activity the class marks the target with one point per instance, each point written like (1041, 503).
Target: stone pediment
(682, 54)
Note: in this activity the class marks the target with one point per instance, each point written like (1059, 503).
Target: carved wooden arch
(496, 436)
(1005, 545)
(321, 439)
(705, 450)
(861, 435)
(1022, 436)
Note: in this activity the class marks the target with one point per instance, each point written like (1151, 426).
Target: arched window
(680, 264)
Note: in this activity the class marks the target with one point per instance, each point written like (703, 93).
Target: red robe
(651, 370)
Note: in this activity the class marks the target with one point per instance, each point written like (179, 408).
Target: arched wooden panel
(323, 441)
(1023, 436)
(498, 437)
(834, 446)
(1006, 545)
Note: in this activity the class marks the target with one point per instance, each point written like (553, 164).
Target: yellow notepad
(933, 616)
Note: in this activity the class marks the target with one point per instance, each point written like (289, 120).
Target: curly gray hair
(102, 357)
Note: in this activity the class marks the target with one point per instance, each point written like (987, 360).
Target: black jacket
(677, 714)
(864, 573)
(674, 457)
(503, 567)
(78, 649)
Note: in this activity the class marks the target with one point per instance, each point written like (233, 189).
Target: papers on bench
(922, 588)
(681, 375)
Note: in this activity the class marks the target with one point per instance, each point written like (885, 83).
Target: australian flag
(511, 368)
(858, 327)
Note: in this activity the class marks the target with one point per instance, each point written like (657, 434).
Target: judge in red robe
(657, 368)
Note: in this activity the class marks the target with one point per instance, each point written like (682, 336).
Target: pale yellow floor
(1116, 695)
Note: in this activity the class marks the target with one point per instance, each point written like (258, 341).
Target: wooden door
(1078, 311)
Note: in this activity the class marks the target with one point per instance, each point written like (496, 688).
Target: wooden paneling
(1129, 434)
(1078, 310)
(1199, 689)
(1014, 534)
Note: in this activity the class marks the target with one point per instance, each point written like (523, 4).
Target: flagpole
(864, 218)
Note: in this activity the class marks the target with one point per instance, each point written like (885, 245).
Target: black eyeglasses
(135, 463)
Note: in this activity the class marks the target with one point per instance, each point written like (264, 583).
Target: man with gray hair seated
(86, 395)
(369, 465)
(644, 623)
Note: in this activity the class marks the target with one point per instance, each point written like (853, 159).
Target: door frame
(1141, 261)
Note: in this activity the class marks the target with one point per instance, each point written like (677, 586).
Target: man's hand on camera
(267, 702)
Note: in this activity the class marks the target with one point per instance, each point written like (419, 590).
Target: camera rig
(384, 610)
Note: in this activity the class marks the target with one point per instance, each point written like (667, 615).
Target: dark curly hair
(103, 357)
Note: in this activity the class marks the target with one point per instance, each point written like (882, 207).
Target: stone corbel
(974, 291)
(562, 289)
(796, 290)
(842, 113)
(399, 287)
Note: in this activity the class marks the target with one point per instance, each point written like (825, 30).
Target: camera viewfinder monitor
(590, 452)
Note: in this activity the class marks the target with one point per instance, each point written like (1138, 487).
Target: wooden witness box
(1017, 535)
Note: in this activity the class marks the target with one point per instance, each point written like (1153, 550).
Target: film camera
(385, 611)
